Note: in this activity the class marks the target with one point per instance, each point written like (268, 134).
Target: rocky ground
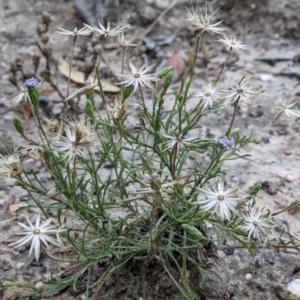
(271, 28)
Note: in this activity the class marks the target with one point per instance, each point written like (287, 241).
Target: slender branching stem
(71, 63)
(235, 112)
(223, 67)
(144, 104)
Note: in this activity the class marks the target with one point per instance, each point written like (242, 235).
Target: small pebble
(221, 253)
(229, 250)
(266, 77)
(248, 276)
(288, 176)
(40, 286)
(10, 294)
(20, 265)
(296, 269)
(39, 262)
(256, 112)
(293, 288)
(8, 117)
(14, 207)
(287, 151)
(2, 202)
(25, 198)
(28, 275)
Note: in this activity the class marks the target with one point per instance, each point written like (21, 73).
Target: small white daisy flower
(105, 32)
(224, 202)
(232, 43)
(125, 42)
(242, 92)
(286, 108)
(208, 96)
(38, 235)
(22, 95)
(178, 140)
(256, 223)
(138, 77)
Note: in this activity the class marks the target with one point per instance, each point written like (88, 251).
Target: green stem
(38, 204)
(223, 67)
(144, 104)
(71, 63)
(192, 63)
(235, 111)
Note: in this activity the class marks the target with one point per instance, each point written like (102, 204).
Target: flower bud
(127, 91)
(165, 71)
(19, 125)
(89, 109)
(32, 85)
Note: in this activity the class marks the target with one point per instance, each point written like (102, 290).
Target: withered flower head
(233, 43)
(203, 20)
(105, 32)
(77, 139)
(287, 109)
(52, 126)
(75, 32)
(10, 166)
(118, 110)
(243, 92)
(126, 42)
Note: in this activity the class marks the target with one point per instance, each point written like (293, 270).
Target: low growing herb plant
(146, 195)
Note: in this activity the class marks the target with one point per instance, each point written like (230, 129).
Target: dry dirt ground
(271, 28)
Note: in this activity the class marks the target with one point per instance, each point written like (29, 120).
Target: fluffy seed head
(10, 166)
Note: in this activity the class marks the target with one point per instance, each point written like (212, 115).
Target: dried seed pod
(46, 18)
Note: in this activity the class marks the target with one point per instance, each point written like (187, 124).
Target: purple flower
(227, 143)
(31, 83)
(259, 261)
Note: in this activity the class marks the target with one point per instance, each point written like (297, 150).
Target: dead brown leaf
(79, 77)
(26, 110)
(176, 61)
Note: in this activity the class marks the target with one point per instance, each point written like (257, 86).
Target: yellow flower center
(221, 197)
(36, 231)
(179, 138)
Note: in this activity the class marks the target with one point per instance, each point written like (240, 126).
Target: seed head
(243, 92)
(75, 32)
(10, 166)
(286, 108)
(76, 139)
(233, 43)
(118, 110)
(105, 32)
(203, 20)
